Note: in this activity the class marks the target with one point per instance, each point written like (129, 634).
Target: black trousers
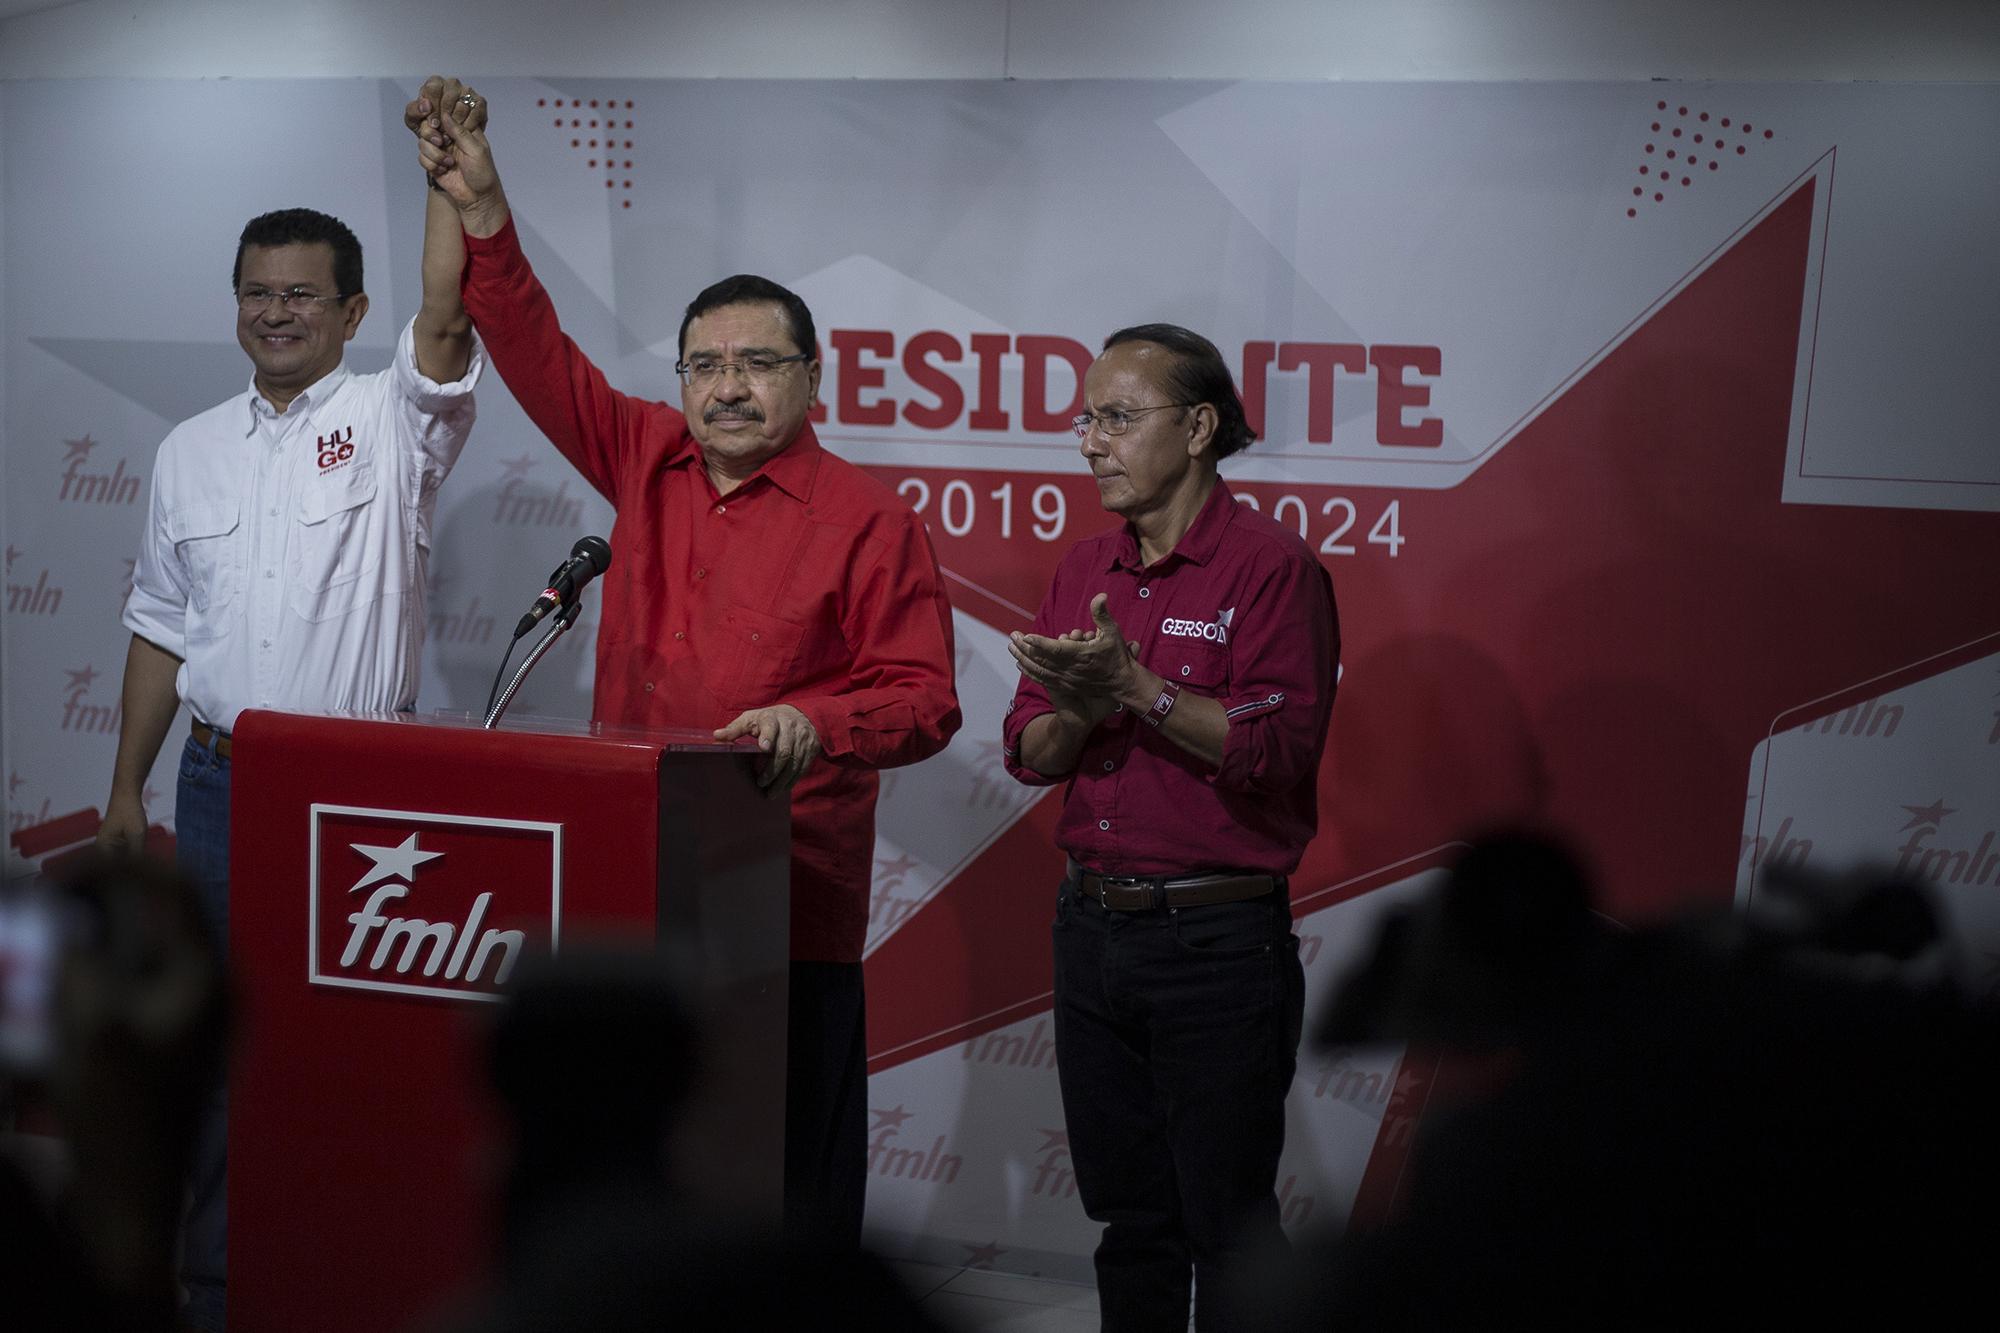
(826, 1109)
(1177, 1034)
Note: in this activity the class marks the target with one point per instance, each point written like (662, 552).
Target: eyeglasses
(704, 371)
(296, 300)
(1114, 422)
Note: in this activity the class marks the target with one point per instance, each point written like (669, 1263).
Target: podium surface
(388, 872)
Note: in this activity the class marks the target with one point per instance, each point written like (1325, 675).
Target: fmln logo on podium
(420, 903)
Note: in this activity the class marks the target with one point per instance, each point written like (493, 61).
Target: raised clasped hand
(449, 120)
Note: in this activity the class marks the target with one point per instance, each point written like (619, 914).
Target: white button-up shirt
(284, 553)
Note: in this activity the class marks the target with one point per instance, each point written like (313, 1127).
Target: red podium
(387, 874)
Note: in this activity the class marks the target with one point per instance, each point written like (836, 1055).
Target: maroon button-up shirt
(811, 584)
(1241, 611)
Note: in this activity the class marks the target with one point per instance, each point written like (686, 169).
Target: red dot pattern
(1696, 116)
(613, 168)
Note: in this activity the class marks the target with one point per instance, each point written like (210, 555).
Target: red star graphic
(1677, 610)
(1921, 815)
(897, 868)
(1053, 1139)
(517, 467)
(12, 553)
(1407, 1082)
(982, 1256)
(889, 1119)
(78, 449)
(80, 680)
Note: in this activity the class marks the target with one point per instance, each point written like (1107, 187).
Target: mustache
(732, 412)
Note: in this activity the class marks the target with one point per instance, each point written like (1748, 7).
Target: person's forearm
(1195, 723)
(443, 329)
(1053, 742)
(486, 215)
(148, 704)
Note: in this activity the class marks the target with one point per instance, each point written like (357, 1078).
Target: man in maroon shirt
(1179, 678)
(760, 586)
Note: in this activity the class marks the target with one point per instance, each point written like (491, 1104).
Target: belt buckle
(1153, 895)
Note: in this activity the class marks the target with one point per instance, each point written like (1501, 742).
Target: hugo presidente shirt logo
(335, 451)
(417, 903)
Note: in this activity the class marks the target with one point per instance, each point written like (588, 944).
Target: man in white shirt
(282, 565)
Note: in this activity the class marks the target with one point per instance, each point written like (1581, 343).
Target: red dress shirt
(1241, 611)
(811, 584)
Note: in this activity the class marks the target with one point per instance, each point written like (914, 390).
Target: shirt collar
(1197, 545)
(792, 470)
(321, 389)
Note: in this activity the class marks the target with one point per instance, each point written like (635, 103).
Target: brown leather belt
(1124, 893)
(203, 734)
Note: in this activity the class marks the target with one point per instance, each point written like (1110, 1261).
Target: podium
(387, 874)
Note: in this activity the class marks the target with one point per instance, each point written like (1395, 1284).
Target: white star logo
(398, 862)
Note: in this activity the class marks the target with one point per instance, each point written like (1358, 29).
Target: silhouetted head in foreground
(113, 995)
(594, 1054)
(1779, 1117)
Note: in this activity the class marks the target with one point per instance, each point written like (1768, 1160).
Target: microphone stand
(563, 620)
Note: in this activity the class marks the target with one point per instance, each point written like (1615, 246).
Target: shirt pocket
(1195, 665)
(338, 546)
(758, 656)
(206, 546)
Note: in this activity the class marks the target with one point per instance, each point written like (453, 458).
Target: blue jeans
(1177, 1035)
(201, 835)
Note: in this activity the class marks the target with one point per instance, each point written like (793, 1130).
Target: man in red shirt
(1179, 678)
(760, 586)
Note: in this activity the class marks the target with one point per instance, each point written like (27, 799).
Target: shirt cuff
(1020, 713)
(498, 243)
(431, 397)
(1243, 745)
(830, 723)
(158, 621)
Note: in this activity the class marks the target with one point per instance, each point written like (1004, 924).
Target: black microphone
(590, 557)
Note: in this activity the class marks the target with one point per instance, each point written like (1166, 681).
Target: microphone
(590, 557)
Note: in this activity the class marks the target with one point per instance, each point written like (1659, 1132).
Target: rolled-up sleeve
(1284, 662)
(1030, 700)
(439, 415)
(156, 611)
